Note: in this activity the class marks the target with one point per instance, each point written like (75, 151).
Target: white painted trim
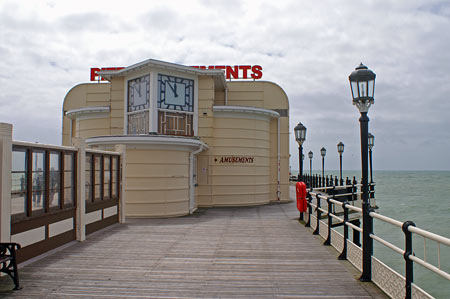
(147, 140)
(96, 151)
(43, 145)
(153, 113)
(80, 215)
(29, 237)
(247, 110)
(111, 211)
(125, 106)
(191, 179)
(60, 227)
(195, 124)
(162, 65)
(93, 217)
(76, 113)
(219, 75)
(6, 131)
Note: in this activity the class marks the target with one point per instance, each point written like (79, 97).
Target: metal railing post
(308, 223)
(367, 243)
(409, 268)
(316, 231)
(328, 240)
(354, 189)
(343, 255)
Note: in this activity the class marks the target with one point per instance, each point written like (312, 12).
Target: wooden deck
(252, 252)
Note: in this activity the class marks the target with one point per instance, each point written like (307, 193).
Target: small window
(55, 180)
(38, 181)
(19, 182)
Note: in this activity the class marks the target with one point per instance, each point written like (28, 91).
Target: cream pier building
(192, 138)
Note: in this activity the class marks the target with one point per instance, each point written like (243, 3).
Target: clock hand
(138, 90)
(174, 88)
(175, 91)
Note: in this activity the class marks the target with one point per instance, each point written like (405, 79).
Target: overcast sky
(307, 47)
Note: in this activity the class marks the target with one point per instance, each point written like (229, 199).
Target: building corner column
(5, 181)
(122, 149)
(80, 144)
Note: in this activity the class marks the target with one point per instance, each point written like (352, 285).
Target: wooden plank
(245, 252)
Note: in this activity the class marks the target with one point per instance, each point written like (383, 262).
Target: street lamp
(300, 136)
(370, 142)
(323, 152)
(340, 148)
(362, 84)
(310, 155)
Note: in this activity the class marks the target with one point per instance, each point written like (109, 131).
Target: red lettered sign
(236, 71)
(95, 70)
(231, 71)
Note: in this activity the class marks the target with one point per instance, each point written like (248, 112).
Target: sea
(419, 196)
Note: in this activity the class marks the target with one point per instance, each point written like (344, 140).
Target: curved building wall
(90, 127)
(236, 120)
(240, 166)
(157, 183)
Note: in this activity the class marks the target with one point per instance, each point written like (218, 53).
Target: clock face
(139, 93)
(175, 93)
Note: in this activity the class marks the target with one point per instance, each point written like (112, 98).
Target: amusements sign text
(234, 160)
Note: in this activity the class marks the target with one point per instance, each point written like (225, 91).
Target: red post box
(300, 189)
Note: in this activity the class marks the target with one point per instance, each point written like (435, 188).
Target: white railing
(407, 227)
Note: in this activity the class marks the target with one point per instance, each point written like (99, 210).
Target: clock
(139, 93)
(175, 93)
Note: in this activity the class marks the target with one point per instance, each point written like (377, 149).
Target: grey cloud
(161, 18)
(93, 22)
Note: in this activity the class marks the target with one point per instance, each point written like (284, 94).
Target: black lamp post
(323, 152)
(370, 144)
(300, 136)
(362, 84)
(310, 155)
(340, 148)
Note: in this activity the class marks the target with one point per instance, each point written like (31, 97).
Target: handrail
(26, 144)
(429, 266)
(387, 244)
(356, 209)
(407, 227)
(386, 219)
(430, 235)
(354, 226)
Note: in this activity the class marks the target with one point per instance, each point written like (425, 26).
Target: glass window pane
(68, 196)
(68, 178)
(19, 182)
(363, 88)
(38, 177)
(106, 176)
(97, 177)
(139, 93)
(55, 180)
(68, 161)
(371, 88)
(175, 93)
(88, 178)
(175, 123)
(354, 86)
(138, 123)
